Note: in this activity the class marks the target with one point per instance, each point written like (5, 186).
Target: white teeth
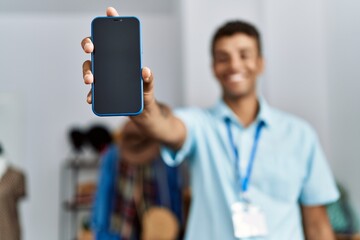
(239, 77)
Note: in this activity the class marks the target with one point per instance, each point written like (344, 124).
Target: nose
(236, 64)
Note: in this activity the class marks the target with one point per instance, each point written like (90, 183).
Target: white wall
(343, 52)
(12, 124)
(41, 61)
(296, 74)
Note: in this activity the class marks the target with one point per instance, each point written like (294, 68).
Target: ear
(261, 64)
(213, 66)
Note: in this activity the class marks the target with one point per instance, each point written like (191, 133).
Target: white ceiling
(73, 6)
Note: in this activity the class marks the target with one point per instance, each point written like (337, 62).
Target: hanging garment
(105, 196)
(146, 189)
(162, 220)
(12, 188)
(126, 191)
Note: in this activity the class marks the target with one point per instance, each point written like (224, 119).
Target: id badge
(248, 220)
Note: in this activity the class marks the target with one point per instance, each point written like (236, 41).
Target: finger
(87, 45)
(111, 12)
(148, 78)
(89, 97)
(87, 74)
(147, 75)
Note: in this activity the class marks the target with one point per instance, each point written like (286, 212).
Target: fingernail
(86, 78)
(87, 46)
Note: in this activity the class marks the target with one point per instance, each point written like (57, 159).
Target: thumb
(111, 12)
(148, 81)
(148, 78)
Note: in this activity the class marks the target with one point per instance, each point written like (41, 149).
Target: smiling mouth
(239, 77)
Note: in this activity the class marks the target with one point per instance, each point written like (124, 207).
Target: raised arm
(157, 121)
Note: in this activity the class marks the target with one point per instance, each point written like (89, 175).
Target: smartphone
(117, 89)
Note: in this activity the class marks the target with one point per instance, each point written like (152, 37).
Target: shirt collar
(223, 111)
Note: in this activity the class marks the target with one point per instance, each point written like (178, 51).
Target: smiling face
(236, 64)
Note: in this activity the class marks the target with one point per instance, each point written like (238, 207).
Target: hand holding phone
(115, 70)
(155, 120)
(147, 76)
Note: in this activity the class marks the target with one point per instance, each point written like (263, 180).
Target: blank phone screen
(116, 65)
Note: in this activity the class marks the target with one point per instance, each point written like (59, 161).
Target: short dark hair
(237, 26)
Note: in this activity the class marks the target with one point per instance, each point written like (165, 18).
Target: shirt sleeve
(319, 186)
(174, 158)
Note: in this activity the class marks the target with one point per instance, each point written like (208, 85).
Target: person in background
(256, 172)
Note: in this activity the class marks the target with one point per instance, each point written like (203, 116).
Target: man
(256, 172)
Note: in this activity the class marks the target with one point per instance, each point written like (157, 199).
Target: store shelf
(77, 194)
(82, 163)
(72, 206)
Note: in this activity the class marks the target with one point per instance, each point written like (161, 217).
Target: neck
(3, 166)
(245, 108)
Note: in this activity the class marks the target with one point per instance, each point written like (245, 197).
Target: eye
(221, 58)
(245, 54)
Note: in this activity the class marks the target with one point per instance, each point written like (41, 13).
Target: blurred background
(312, 70)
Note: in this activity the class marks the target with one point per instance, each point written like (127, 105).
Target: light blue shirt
(289, 170)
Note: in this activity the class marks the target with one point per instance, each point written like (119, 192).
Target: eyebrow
(242, 50)
(220, 52)
(245, 48)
